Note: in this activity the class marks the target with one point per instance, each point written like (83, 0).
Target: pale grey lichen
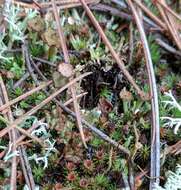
(171, 104)
(173, 181)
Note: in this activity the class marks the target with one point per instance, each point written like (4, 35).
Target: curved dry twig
(155, 148)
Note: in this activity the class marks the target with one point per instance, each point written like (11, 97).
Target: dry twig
(168, 47)
(67, 60)
(155, 148)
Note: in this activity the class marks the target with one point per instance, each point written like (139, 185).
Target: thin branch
(38, 70)
(148, 24)
(62, 6)
(24, 77)
(113, 11)
(26, 57)
(26, 168)
(168, 47)
(71, 100)
(44, 61)
(67, 2)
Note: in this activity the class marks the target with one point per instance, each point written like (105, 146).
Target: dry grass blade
(155, 148)
(67, 60)
(113, 52)
(25, 95)
(25, 76)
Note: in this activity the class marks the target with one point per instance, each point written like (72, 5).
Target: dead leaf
(74, 159)
(125, 95)
(20, 177)
(37, 24)
(105, 106)
(59, 80)
(51, 37)
(49, 16)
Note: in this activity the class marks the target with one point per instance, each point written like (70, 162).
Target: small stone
(65, 69)
(36, 24)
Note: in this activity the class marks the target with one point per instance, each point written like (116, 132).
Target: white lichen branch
(170, 121)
